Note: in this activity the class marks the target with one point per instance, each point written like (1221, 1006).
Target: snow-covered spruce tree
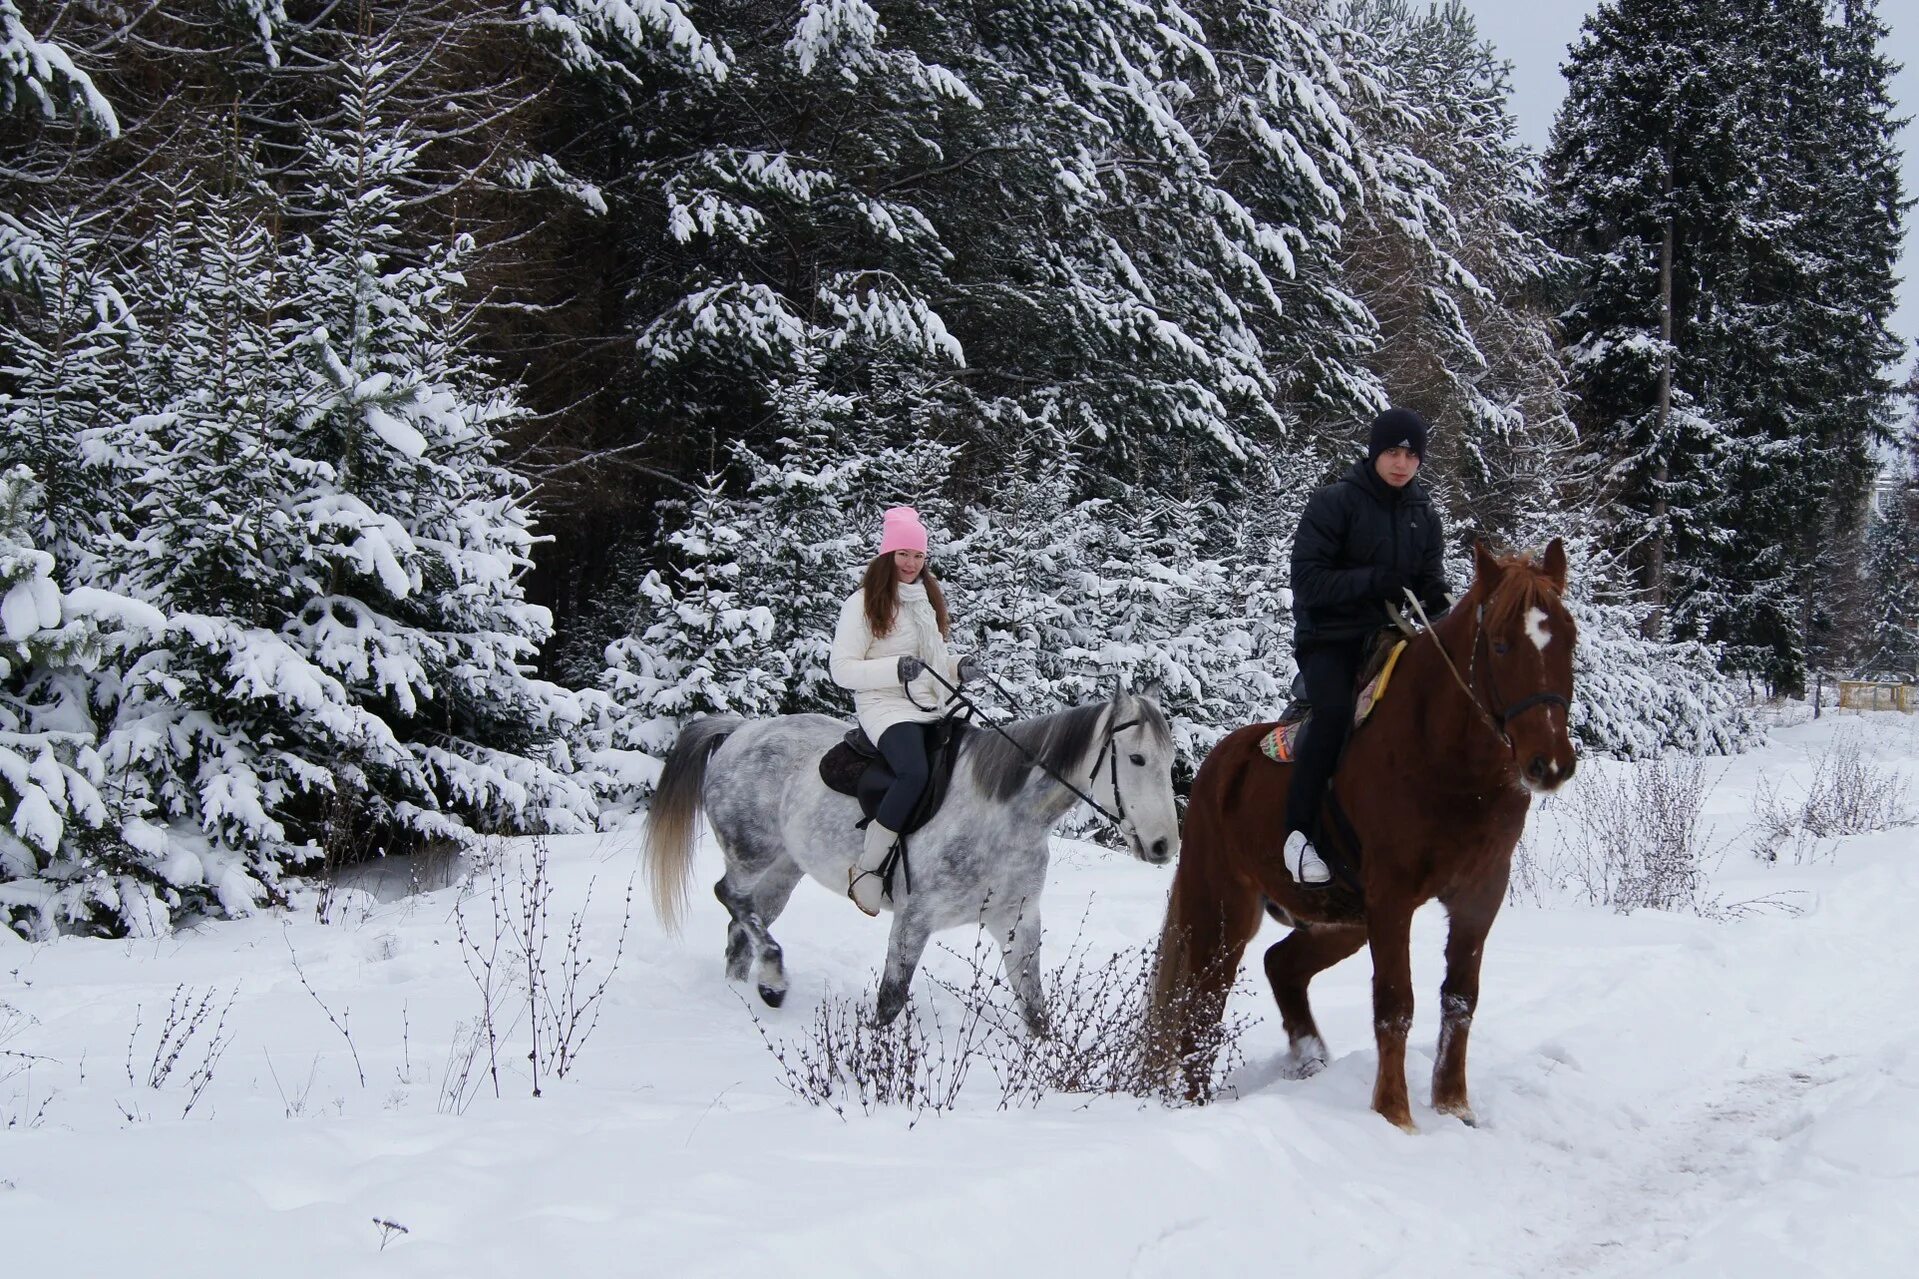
(346, 663)
(1014, 562)
(64, 383)
(1447, 252)
(1727, 175)
(38, 78)
(766, 196)
(1641, 173)
(1640, 696)
(1891, 569)
(1200, 161)
(1817, 383)
(60, 860)
(1187, 648)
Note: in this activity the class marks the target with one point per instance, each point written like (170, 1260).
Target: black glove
(1389, 584)
(970, 669)
(911, 668)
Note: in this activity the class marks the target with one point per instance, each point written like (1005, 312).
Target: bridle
(1108, 750)
(1499, 720)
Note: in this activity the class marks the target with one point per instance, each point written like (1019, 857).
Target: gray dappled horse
(980, 860)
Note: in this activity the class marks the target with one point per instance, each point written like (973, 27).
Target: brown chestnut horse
(1436, 785)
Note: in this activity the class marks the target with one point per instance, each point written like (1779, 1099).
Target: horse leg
(1469, 919)
(1291, 963)
(770, 895)
(1389, 933)
(748, 943)
(904, 946)
(739, 932)
(1018, 937)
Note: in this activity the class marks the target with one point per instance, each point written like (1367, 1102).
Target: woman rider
(1362, 542)
(892, 632)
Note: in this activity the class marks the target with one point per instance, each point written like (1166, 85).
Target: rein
(1496, 722)
(1107, 748)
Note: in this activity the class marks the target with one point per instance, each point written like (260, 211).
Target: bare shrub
(193, 1031)
(458, 1085)
(1636, 840)
(557, 998)
(1093, 1045)
(1527, 880)
(342, 1023)
(1849, 794)
(18, 1109)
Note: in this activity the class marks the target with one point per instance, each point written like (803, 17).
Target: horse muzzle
(1157, 853)
(1544, 775)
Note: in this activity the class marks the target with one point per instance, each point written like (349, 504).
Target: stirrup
(853, 876)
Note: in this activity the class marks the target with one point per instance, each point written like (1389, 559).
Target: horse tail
(676, 806)
(1168, 1004)
(1210, 916)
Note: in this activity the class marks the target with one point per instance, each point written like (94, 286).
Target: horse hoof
(1464, 1114)
(1404, 1123)
(1294, 1066)
(773, 996)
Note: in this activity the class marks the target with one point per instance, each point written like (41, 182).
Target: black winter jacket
(1354, 531)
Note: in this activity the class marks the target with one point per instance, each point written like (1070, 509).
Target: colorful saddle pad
(1281, 743)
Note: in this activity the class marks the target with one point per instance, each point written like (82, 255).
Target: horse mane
(1058, 741)
(1523, 585)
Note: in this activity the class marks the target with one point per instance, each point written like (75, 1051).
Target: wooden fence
(1872, 695)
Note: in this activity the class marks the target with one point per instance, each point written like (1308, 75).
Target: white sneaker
(1303, 861)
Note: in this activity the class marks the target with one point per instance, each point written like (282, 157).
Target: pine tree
(1448, 254)
(57, 863)
(700, 645)
(1639, 168)
(1891, 566)
(346, 660)
(63, 386)
(40, 76)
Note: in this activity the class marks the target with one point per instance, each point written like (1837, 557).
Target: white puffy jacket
(869, 664)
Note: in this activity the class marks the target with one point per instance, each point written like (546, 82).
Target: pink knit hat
(902, 531)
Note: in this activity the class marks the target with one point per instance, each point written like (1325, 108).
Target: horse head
(1137, 778)
(1524, 647)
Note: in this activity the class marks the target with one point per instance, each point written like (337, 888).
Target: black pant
(903, 747)
(1330, 671)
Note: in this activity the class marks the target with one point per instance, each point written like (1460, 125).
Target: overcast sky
(1533, 34)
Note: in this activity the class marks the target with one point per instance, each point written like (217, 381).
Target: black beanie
(1397, 429)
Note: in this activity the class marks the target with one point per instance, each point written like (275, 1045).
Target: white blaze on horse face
(1536, 628)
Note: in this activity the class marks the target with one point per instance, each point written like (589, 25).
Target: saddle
(855, 767)
(1281, 744)
(1338, 842)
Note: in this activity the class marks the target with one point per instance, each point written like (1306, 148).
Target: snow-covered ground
(1658, 1094)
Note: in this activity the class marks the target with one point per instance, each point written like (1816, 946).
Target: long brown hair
(883, 597)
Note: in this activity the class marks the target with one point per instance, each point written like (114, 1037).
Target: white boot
(1303, 861)
(863, 883)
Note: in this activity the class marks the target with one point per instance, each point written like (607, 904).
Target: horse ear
(1485, 568)
(1554, 564)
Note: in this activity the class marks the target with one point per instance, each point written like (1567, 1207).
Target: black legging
(903, 746)
(1330, 671)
